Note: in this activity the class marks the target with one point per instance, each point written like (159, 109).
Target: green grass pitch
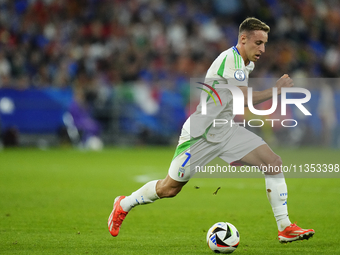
(58, 201)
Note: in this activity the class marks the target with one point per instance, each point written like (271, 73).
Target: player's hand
(284, 82)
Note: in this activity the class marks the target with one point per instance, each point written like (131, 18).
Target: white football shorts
(192, 152)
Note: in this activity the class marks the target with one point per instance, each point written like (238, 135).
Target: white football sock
(277, 195)
(145, 195)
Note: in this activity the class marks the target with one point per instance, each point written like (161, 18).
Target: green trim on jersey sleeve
(222, 66)
(237, 60)
(184, 146)
(206, 132)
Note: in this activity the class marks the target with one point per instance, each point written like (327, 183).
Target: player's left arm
(264, 95)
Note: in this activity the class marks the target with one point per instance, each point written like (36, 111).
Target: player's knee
(273, 166)
(277, 161)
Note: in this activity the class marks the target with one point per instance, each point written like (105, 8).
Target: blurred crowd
(91, 43)
(94, 46)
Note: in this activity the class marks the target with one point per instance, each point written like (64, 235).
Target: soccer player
(200, 141)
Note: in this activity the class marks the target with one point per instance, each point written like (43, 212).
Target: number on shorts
(187, 159)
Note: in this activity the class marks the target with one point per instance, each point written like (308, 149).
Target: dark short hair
(252, 24)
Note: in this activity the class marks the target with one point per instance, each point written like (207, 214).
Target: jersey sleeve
(231, 68)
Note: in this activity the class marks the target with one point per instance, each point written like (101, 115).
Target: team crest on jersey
(181, 172)
(239, 75)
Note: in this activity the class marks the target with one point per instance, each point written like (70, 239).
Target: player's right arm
(260, 96)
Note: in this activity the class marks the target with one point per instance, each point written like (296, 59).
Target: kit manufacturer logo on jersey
(239, 75)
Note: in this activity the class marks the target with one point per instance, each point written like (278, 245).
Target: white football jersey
(229, 65)
(228, 68)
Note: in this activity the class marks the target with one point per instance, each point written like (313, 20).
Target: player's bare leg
(168, 187)
(277, 194)
(262, 156)
(149, 193)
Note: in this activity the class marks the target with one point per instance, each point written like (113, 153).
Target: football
(223, 237)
